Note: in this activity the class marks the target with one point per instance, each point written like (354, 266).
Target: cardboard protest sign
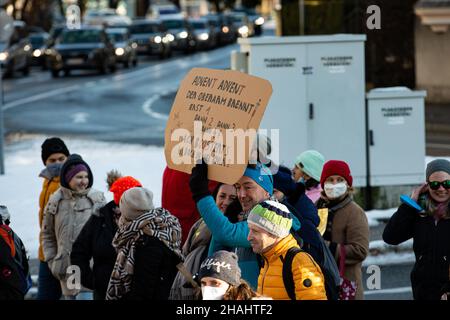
(215, 116)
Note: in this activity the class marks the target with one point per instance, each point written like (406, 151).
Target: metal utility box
(318, 97)
(396, 136)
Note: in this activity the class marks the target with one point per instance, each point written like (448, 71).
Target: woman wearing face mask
(347, 229)
(95, 239)
(54, 153)
(308, 169)
(220, 278)
(430, 230)
(195, 249)
(148, 249)
(65, 215)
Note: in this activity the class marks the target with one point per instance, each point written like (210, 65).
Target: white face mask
(213, 293)
(334, 191)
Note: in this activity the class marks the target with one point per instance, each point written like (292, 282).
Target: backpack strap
(288, 277)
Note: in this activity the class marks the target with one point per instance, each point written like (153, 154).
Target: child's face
(80, 181)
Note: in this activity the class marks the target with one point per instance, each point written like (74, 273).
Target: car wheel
(113, 68)
(135, 62)
(26, 70)
(102, 68)
(66, 72)
(55, 73)
(126, 64)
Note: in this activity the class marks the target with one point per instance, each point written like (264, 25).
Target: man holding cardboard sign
(215, 117)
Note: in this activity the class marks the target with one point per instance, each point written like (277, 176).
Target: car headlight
(225, 29)
(3, 56)
(27, 47)
(120, 52)
(37, 53)
(48, 51)
(134, 45)
(243, 30)
(157, 39)
(203, 36)
(170, 37)
(183, 34)
(259, 21)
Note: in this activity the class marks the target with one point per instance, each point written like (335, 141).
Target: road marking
(79, 117)
(388, 291)
(39, 96)
(147, 108)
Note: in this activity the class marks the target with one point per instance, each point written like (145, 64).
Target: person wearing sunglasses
(430, 230)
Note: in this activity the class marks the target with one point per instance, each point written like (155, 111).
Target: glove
(198, 182)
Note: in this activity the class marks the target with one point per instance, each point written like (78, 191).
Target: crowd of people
(286, 234)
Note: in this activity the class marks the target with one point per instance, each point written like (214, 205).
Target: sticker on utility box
(396, 115)
(337, 64)
(279, 62)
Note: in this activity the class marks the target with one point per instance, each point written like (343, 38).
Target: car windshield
(199, 25)
(173, 24)
(118, 37)
(144, 28)
(37, 41)
(80, 36)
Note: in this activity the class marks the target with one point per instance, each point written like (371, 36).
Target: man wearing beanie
(254, 186)
(95, 239)
(270, 223)
(430, 230)
(54, 153)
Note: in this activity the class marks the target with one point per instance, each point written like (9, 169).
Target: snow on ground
(379, 246)
(20, 186)
(391, 258)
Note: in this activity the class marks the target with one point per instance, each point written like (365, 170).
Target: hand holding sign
(215, 117)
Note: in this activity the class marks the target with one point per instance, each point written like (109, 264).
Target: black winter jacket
(430, 275)
(154, 271)
(95, 241)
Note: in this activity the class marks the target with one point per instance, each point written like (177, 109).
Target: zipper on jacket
(266, 262)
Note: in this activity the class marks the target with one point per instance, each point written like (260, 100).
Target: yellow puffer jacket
(270, 281)
(48, 188)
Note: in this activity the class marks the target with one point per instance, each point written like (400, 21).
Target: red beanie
(336, 167)
(121, 185)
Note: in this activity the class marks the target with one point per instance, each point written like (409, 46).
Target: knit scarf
(157, 223)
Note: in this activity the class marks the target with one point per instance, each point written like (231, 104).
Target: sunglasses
(434, 185)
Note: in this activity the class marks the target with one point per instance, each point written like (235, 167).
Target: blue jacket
(232, 235)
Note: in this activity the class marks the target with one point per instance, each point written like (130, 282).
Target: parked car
(85, 48)
(243, 25)
(15, 52)
(205, 35)
(151, 38)
(125, 47)
(180, 34)
(39, 43)
(157, 11)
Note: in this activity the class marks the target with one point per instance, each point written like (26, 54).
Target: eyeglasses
(434, 185)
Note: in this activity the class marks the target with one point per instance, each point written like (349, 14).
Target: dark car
(205, 35)
(256, 19)
(15, 52)
(39, 43)
(150, 37)
(180, 34)
(242, 23)
(125, 48)
(85, 48)
(221, 28)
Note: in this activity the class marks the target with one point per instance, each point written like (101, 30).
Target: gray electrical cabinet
(396, 136)
(318, 99)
